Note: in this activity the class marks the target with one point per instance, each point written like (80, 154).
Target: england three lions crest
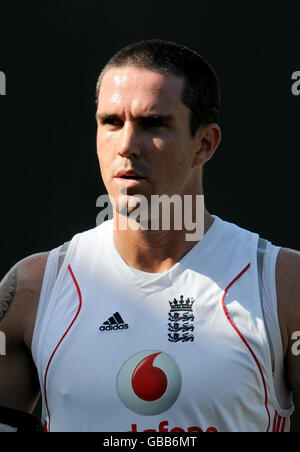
(181, 318)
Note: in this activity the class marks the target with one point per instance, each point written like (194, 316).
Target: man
(140, 329)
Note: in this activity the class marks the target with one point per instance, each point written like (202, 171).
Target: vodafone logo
(149, 382)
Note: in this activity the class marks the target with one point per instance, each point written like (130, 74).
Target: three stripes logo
(115, 322)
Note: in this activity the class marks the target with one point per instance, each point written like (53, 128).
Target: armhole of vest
(47, 286)
(57, 261)
(62, 255)
(268, 295)
(261, 251)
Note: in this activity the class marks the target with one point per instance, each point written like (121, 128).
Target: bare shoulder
(288, 265)
(31, 272)
(19, 295)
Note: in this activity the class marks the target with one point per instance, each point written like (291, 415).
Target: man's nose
(129, 141)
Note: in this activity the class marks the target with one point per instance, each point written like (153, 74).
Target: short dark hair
(201, 91)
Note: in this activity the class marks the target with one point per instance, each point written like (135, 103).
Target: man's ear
(207, 140)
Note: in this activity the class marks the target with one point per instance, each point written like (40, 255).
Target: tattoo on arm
(8, 287)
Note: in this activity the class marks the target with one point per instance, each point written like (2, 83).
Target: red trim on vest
(279, 423)
(274, 422)
(244, 340)
(60, 341)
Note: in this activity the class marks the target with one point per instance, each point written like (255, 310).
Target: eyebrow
(156, 116)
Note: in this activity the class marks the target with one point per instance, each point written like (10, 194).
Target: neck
(154, 251)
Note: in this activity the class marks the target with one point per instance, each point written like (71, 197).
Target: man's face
(144, 128)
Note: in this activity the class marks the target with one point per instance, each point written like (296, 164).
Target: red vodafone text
(163, 427)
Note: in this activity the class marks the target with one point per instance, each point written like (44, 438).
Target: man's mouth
(129, 175)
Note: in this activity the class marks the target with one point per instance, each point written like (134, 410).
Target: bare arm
(19, 296)
(288, 294)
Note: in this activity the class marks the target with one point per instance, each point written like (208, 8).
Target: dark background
(52, 53)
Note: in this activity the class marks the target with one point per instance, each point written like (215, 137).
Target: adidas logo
(115, 322)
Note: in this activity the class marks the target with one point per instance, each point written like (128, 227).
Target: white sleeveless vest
(188, 352)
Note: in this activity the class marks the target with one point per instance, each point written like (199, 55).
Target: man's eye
(152, 122)
(111, 121)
